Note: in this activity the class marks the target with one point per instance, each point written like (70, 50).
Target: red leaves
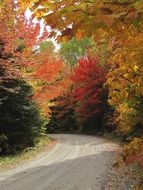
(89, 78)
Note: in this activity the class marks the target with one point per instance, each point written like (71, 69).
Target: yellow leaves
(40, 13)
(134, 151)
(135, 68)
(135, 146)
(125, 80)
(84, 15)
(126, 75)
(25, 4)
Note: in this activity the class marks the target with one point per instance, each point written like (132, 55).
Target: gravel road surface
(76, 162)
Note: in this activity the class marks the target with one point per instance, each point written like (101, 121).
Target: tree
(47, 81)
(20, 122)
(62, 116)
(48, 47)
(74, 49)
(125, 80)
(84, 17)
(91, 97)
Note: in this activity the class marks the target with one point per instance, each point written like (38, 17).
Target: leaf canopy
(74, 16)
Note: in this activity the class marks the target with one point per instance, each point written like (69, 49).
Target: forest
(90, 82)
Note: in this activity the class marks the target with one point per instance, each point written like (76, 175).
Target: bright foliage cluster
(134, 151)
(88, 79)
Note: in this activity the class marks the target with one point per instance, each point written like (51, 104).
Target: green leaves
(74, 49)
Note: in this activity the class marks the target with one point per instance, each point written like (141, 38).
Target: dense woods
(92, 84)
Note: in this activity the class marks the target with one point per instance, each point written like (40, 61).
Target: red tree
(89, 93)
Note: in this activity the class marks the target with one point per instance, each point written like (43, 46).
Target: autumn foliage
(85, 17)
(39, 83)
(89, 78)
(25, 71)
(47, 82)
(134, 151)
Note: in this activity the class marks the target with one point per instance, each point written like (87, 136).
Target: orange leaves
(48, 70)
(80, 34)
(134, 151)
(47, 82)
(108, 20)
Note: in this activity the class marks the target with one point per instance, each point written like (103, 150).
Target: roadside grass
(9, 162)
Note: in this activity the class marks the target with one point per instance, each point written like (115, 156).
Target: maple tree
(89, 93)
(125, 80)
(125, 86)
(32, 58)
(19, 42)
(48, 84)
(84, 17)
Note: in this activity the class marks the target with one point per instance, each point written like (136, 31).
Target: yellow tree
(84, 17)
(125, 78)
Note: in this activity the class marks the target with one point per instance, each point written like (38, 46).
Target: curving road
(76, 162)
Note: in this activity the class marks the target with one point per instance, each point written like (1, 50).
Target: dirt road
(76, 162)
